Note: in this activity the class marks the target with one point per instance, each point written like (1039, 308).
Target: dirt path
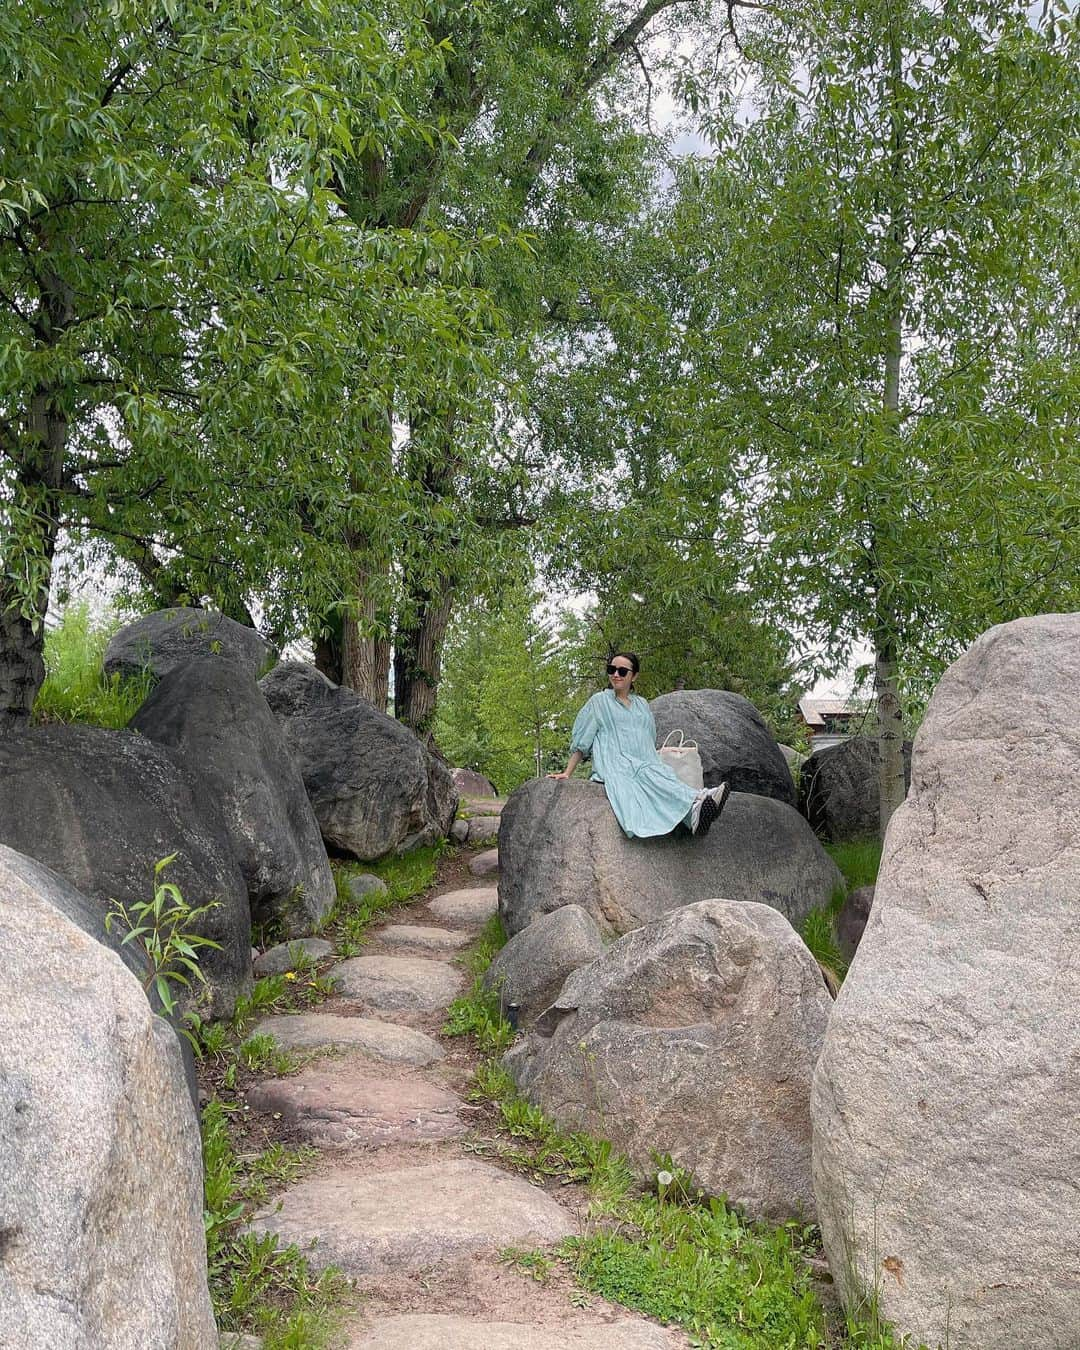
(406, 1197)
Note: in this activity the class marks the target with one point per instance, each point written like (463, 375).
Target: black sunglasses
(619, 670)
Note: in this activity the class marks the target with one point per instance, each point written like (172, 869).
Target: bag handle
(684, 744)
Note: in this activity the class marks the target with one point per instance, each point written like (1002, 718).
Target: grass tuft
(76, 688)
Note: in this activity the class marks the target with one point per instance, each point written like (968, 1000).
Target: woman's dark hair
(632, 657)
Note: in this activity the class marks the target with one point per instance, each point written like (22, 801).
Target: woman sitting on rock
(617, 730)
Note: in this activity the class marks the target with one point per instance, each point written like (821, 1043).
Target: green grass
(858, 861)
(478, 1013)
(76, 689)
(258, 1286)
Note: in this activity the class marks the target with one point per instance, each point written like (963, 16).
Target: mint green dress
(645, 795)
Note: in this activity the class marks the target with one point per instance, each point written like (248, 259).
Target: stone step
(346, 1104)
(369, 1221)
(473, 905)
(483, 828)
(433, 1331)
(421, 935)
(398, 983)
(485, 864)
(382, 1040)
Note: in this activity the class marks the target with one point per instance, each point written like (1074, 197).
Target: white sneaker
(708, 809)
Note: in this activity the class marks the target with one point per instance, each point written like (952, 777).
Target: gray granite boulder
(101, 808)
(838, 789)
(168, 638)
(374, 786)
(696, 1036)
(212, 713)
(560, 844)
(736, 746)
(18, 870)
(946, 1104)
(533, 966)
(101, 1173)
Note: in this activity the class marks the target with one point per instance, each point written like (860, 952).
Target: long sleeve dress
(647, 798)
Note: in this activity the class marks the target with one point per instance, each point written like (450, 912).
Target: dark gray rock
(469, 783)
(459, 831)
(375, 788)
(168, 638)
(695, 1036)
(838, 789)
(101, 808)
(212, 713)
(851, 921)
(100, 1150)
(946, 1102)
(735, 744)
(560, 844)
(531, 969)
(364, 884)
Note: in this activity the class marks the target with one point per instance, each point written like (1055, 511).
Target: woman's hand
(565, 774)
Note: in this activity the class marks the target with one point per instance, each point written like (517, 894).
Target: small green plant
(477, 1014)
(538, 1264)
(163, 931)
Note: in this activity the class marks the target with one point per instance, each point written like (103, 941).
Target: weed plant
(76, 688)
(258, 1286)
(478, 1014)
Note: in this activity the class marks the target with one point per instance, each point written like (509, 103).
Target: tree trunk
(418, 660)
(39, 457)
(892, 786)
(365, 657)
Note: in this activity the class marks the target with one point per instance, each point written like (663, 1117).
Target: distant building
(829, 720)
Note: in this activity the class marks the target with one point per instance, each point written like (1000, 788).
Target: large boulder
(736, 746)
(560, 844)
(168, 638)
(946, 1105)
(469, 783)
(375, 788)
(212, 712)
(695, 1036)
(101, 808)
(838, 789)
(101, 1173)
(531, 969)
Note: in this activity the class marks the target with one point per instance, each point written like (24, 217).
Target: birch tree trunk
(891, 785)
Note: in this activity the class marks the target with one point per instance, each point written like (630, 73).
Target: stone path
(399, 1202)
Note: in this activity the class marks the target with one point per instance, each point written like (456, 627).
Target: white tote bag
(683, 760)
